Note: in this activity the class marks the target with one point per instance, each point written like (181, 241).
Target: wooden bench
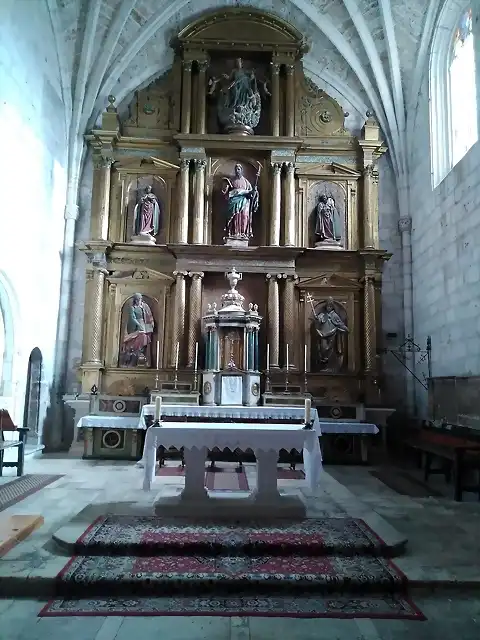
(6, 424)
(458, 453)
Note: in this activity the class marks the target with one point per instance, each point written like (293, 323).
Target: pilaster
(275, 99)
(273, 319)
(290, 204)
(183, 201)
(199, 205)
(194, 316)
(178, 332)
(186, 96)
(276, 204)
(290, 320)
(290, 101)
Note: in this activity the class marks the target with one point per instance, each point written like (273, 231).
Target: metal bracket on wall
(423, 355)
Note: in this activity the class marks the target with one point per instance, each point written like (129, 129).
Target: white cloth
(236, 413)
(109, 422)
(243, 436)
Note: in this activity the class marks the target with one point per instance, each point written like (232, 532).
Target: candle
(196, 357)
(158, 408)
(287, 357)
(176, 355)
(308, 406)
(158, 355)
(305, 366)
(268, 357)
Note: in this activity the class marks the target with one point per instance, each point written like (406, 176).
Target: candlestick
(268, 357)
(176, 355)
(287, 357)
(308, 407)
(158, 408)
(196, 357)
(305, 359)
(158, 355)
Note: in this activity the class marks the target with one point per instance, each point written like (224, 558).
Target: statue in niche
(242, 202)
(137, 338)
(239, 105)
(330, 332)
(146, 218)
(326, 221)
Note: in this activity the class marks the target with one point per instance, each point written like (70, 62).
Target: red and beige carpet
(20, 488)
(128, 565)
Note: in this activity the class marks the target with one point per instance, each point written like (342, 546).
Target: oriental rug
(20, 488)
(300, 606)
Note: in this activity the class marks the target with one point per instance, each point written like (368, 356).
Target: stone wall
(445, 256)
(32, 190)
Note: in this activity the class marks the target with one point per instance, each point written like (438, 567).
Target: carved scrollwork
(317, 114)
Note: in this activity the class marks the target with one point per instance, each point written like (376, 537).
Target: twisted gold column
(368, 209)
(194, 315)
(289, 319)
(201, 97)
(186, 96)
(273, 319)
(369, 319)
(275, 103)
(276, 205)
(290, 204)
(100, 197)
(290, 101)
(94, 293)
(183, 189)
(178, 332)
(199, 205)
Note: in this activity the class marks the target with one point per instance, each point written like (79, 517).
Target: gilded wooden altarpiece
(312, 234)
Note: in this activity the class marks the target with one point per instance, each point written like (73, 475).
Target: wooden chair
(6, 424)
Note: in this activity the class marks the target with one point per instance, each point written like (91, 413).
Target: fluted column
(369, 327)
(290, 101)
(276, 205)
(186, 96)
(183, 190)
(100, 196)
(289, 204)
(273, 319)
(201, 97)
(194, 315)
(199, 205)
(368, 207)
(289, 319)
(275, 102)
(178, 332)
(94, 294)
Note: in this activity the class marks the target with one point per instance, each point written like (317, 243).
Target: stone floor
(444, 550)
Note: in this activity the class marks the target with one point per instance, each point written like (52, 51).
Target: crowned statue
(326, 221)
(137, 339)
(242, 202)
(146, 218)
(239, 105)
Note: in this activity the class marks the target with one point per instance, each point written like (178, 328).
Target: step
(135, 535)
(14, 529)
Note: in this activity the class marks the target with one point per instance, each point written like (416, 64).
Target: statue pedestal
(143, 238)
(236, 243)
(328, 244)
(230, 388)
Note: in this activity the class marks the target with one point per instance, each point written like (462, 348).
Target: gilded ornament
(207, 388)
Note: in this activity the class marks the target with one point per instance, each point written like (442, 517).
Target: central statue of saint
(242, 202)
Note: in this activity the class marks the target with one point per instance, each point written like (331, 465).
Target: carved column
(199, 205)
(290, 101)
(289, 204)
(183, 193)
(273, 319)
(369, 327)
(289, 319)
(275, 102)
(100, 196)
(276, 205)
(178, 333)
(186, 96)
(201, 97)
(94, 294)
(369, 207)
(194, 316)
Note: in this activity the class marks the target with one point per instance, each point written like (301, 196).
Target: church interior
(248, 401)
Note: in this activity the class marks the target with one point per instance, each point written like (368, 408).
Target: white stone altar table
(266, 442)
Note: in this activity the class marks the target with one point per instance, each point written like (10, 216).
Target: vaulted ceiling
(369, 54)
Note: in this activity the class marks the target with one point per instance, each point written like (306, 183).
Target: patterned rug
(20, 488)
(290, 474)
(300, 606)
(151, 535)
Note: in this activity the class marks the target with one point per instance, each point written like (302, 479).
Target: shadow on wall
(58, 427)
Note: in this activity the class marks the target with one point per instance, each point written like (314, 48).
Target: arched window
(453, 93)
